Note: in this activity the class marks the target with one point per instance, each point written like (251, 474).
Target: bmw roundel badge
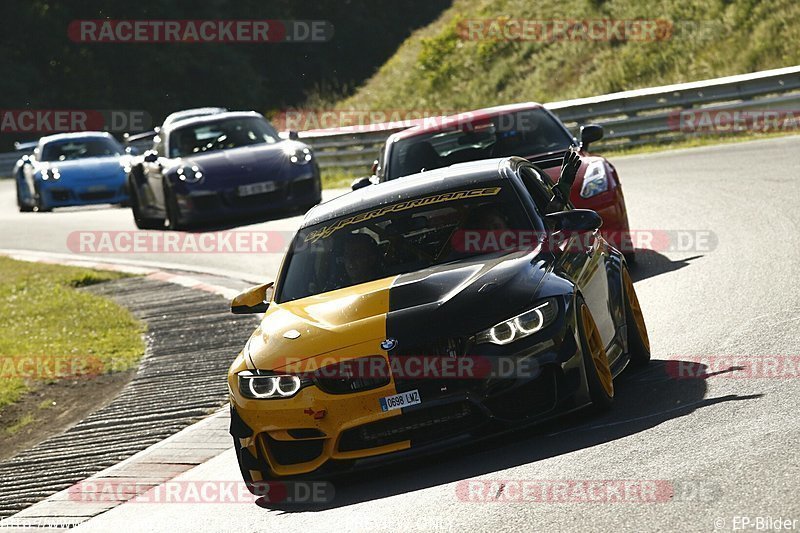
(389, 344)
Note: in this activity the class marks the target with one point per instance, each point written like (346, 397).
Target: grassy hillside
(437, 69)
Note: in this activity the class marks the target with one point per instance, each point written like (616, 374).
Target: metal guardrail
(650, 115)
(630, 118)
(7, 162)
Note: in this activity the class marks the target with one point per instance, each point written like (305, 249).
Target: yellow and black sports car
(438, 307)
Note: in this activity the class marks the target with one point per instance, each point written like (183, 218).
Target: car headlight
(268, 387)
(521, 325)
(595, 180)
(190, 174)
(51, 173)
(299, 156)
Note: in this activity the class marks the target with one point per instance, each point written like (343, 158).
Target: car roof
(185, 114)
(412, 186)
(443, 123)
(207, 119)
(74, 135)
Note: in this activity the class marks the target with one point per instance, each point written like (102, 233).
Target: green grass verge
(435, 68)
(340, 178)
(44, 317)
(26, 420)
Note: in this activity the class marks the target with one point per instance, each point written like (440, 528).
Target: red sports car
(527, 130)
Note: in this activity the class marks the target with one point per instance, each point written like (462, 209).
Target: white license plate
(256, 188)
(398, 401)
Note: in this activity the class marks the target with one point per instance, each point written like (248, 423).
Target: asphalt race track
(719, 450)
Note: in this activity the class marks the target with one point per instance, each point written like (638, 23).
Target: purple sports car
(219, 167)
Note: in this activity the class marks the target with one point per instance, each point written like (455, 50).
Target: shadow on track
(650, 263)
(667, 397)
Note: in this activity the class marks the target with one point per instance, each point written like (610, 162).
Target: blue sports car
(72, 169)
(218, 167)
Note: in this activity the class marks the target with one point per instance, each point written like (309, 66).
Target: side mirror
(150, 157)
(254, 300)
(574, 221)
(590, 133)
(360, 183)
(293, 135)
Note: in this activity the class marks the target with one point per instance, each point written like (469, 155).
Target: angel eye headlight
(190, 174)
(257, 386)
(502, 333)
(521, 325)
(268, 387)
(595, 180)
(287, 385)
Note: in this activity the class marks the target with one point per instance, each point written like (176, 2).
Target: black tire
(638, 339)
(601, 396)
(22, 208)
(173, 220)
(141, 221)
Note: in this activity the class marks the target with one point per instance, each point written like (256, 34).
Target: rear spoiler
(27, 146)
(128, 138)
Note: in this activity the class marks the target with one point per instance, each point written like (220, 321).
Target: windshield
(525, 134)
(397, 238)
(71, 149)
(222, 135)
